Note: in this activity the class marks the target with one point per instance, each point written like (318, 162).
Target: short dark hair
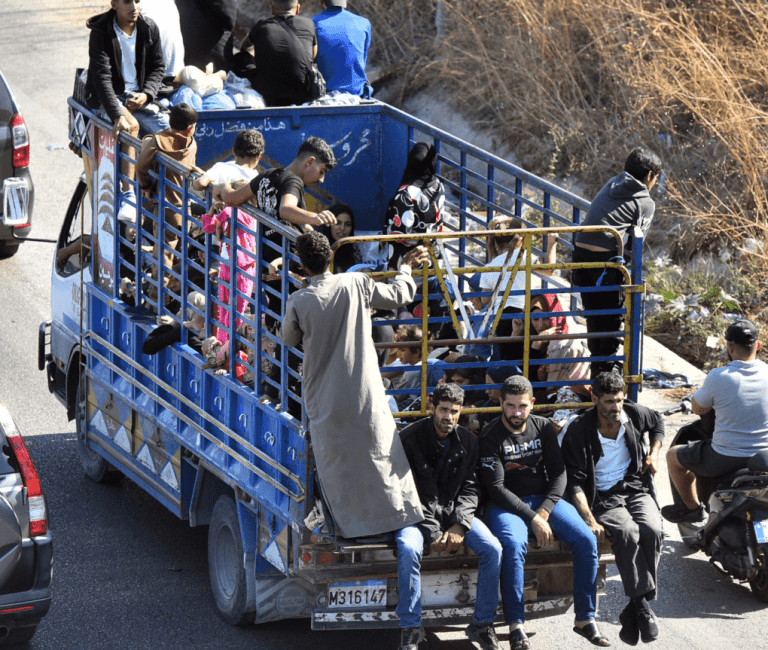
(608, 383)
(284, 5)
(475, 375)
(516, 385)
(249, 143)
(314, 251)
(318, 148)
(447, 393)
(641, 161)
(182, 116)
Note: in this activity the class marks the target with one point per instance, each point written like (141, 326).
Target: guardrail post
(636, 325)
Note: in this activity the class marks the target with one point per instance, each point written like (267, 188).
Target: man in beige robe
(364, 474)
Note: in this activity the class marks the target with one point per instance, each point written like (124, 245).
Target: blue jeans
(410, 546)
(568, 527)
(151, 119)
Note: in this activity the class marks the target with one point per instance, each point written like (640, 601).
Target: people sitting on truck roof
(522, 470)
(343, 39)
(218, 220)
(347, 256)
(282, 48)
(417, 205)
(125, 70)
(444, 457)
(207, 29)
(165, 14)
(558, 349)
(176, 142)
(247, 151)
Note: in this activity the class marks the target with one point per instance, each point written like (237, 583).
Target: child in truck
(217, 220)
(247, 150)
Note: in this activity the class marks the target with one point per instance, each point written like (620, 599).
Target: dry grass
(573, 85)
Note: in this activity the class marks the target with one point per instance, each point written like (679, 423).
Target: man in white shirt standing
(610, 469)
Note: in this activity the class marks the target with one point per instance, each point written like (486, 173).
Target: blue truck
(224, 449)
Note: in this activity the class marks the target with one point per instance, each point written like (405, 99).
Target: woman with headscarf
(348, 255)
(564, 349)
(416, 208)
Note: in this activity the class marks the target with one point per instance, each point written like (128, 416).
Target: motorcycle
(735, 535)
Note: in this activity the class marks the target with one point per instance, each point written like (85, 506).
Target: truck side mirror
(15, 202)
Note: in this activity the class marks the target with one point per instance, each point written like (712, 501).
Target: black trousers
(633, 524)
(603, 346)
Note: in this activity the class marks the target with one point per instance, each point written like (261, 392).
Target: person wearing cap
(343, 39)
(738, 393)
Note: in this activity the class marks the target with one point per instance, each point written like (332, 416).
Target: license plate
(761, 528)
(361, 593)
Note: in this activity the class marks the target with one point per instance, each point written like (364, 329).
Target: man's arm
(247, 45)
(697, 408)
(651, 461)
(291, 333)
(144, 162)
(100, 73)
(401, 289)
(553, 462)
(468, 497)
(291, 212)
(582, 507)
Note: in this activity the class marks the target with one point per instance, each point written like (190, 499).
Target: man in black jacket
(443, 457)
(126, 69)
(610, 481)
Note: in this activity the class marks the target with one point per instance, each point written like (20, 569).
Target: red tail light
(38, 524)
(20, 141)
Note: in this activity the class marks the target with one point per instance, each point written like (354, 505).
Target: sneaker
(630, 630)
(484, 635)
(679, 513)
(410, 637)
(649, 628)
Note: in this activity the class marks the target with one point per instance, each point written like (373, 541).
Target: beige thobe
(363, 471)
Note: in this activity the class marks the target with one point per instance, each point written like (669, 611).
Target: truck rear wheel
(225, 563)
(94, 466)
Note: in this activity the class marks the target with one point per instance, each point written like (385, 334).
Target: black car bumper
(26, 596)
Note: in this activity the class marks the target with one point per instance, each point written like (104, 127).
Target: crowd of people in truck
(452, 478)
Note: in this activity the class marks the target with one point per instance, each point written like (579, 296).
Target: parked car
(26, 554)
(14, 163)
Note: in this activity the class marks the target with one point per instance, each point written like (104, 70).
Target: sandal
(518, 640)
(592, 634)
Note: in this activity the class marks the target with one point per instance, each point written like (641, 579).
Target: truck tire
(95, 467)
(225, 563)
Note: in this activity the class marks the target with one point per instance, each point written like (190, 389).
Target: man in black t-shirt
(522, 470)
(280, 192)
(282, 47)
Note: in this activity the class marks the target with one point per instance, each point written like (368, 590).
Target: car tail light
(38, 524)
(20, 141)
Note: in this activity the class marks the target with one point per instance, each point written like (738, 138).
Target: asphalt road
(128, 574)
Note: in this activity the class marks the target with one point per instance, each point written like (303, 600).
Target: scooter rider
(738, 393)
